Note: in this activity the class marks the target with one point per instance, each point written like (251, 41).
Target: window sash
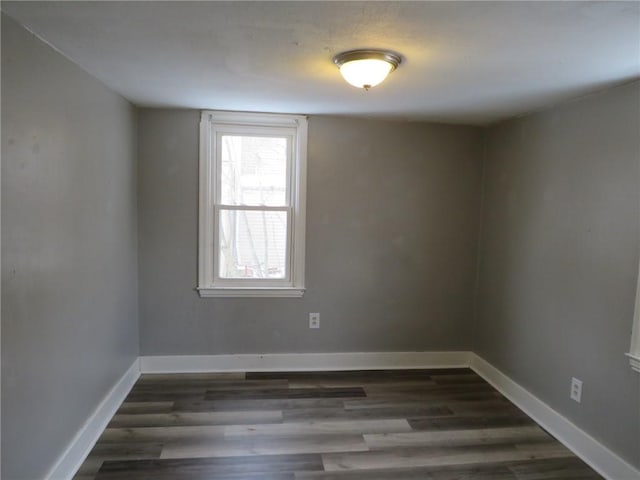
(218, 131)
(244, 282)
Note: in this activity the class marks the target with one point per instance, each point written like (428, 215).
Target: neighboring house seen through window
(252, 204)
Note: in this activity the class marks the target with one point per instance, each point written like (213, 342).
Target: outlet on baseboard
(576, 390)
(314, 320)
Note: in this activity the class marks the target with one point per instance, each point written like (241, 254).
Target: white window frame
(212, 125)
(634, 353)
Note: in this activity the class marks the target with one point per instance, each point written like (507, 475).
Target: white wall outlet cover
(314, 320)
(576, 390)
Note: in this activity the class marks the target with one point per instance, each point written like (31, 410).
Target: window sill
(634, 360)
(264, 292)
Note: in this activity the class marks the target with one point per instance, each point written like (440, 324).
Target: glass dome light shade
(365, 73)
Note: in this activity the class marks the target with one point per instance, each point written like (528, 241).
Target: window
(252, 204)
(634, 354)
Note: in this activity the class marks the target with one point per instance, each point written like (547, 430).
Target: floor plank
(195, 418)
(440, 456)
(380, 441)
(245, 405)
(358, 427)
(319, 414)
(233, 446)
(254, 466)
(274, 393)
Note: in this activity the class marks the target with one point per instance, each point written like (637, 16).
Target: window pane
(254, 170)
(253, 244)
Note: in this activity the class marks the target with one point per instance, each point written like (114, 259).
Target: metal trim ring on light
(391, 58)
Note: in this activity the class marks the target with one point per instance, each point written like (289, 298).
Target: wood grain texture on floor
(439, 424)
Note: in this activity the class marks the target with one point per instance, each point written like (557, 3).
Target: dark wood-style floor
(366, 425)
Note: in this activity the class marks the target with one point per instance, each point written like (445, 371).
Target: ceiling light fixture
(366, 68)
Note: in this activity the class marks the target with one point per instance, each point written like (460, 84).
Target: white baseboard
(302, 362)
(78, 449)
(592, 452)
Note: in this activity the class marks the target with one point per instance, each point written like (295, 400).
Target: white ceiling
(464, 62)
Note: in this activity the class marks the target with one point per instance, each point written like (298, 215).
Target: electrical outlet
(314, 320)
(576, 390)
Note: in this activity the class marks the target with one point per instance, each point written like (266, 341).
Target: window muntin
(252, 181)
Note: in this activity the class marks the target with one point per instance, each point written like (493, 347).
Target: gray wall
(69, 279)
(392, 220)
(559, 259)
